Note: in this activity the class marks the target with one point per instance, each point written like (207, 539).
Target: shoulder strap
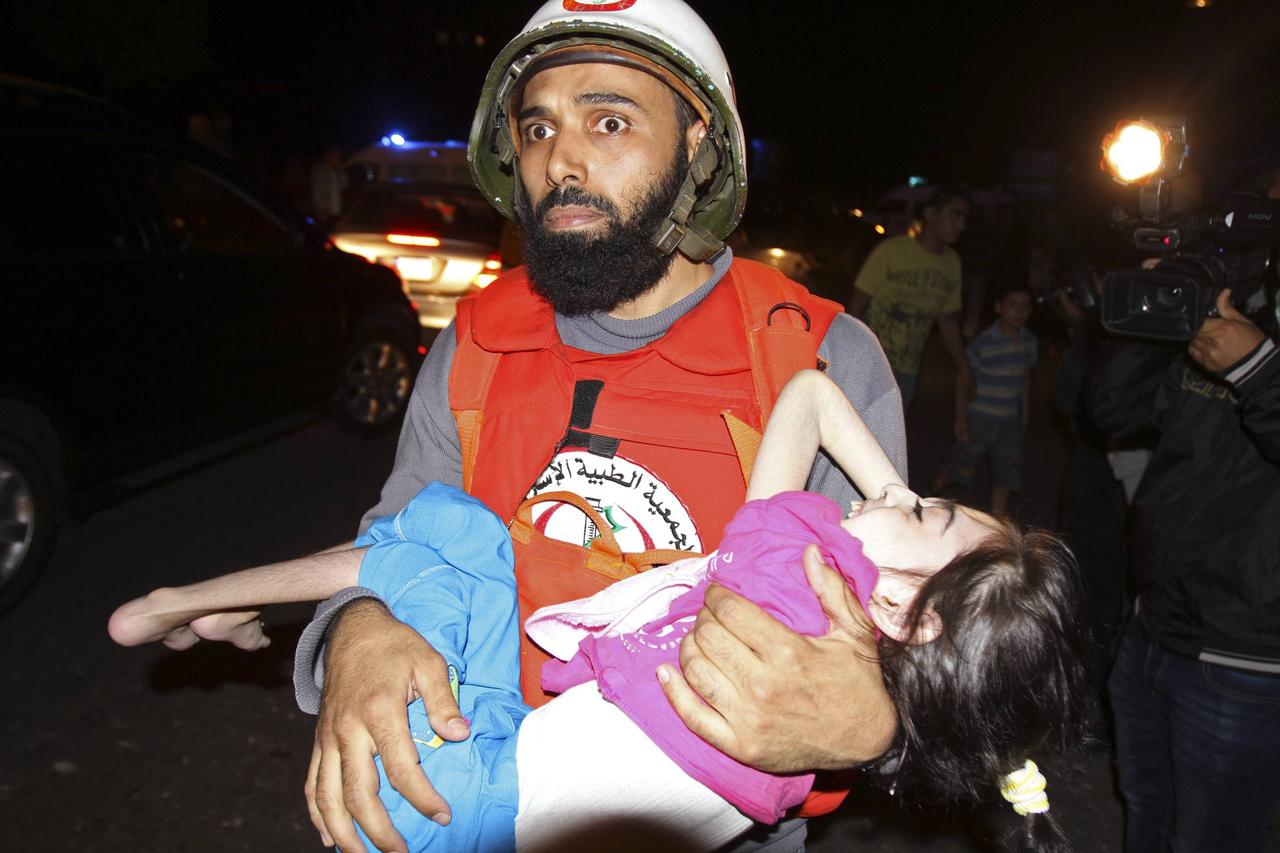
(470, 376)
(784, 324)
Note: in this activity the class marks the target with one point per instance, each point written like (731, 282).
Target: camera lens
(1168, 300)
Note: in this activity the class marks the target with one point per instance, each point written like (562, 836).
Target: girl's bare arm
(811, 413)
(226, 607)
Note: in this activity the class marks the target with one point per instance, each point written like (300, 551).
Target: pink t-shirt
(759, 558)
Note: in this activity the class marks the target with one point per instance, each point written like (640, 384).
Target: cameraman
(1196, 685)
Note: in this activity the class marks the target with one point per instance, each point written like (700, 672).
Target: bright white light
(418, 269)
(413, 240)
(777, 253)
(397, 139)
(1133, 152)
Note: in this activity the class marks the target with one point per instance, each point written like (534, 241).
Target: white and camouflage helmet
(664, 38)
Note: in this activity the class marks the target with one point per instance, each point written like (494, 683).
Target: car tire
(28, 519)
(377, 378)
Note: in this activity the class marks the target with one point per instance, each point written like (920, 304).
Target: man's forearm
(308, 659)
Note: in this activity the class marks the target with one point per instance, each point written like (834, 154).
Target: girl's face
(909, 538)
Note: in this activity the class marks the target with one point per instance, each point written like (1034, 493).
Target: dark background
(873, 92)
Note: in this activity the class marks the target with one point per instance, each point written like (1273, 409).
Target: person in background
(910, 283)
(328, 186)
(1094, 506)
(1195, 688)
(994, 422)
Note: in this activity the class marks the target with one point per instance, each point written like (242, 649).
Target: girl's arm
(811, 413)
(226, 607)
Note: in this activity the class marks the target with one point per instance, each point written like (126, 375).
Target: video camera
(1207, 252)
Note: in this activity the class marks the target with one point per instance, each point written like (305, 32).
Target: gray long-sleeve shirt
(429, 448)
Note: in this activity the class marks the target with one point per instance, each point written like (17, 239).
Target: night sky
(877, 91)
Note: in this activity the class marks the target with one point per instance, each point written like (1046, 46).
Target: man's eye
(538, 132)
(611, 125)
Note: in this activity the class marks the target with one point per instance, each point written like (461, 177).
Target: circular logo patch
(640, 509)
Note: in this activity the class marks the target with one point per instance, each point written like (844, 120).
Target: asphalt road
(144, 749)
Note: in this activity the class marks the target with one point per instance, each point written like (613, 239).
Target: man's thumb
(1226, 310)
(833, 593)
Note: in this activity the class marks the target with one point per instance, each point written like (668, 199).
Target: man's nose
(566, 163)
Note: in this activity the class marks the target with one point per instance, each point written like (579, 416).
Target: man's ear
(695, 134)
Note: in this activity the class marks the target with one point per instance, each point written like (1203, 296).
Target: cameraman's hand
(375, 666)
(1225, 339)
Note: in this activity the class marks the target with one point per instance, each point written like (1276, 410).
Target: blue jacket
(444, 566)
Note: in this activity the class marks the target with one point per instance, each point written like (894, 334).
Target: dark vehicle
(441, 239)
(160, 310)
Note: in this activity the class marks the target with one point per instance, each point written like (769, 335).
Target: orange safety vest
(672, 427)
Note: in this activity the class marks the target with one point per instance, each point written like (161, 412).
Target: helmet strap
(678, 231)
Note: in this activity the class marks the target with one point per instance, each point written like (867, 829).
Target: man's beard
(581, 272)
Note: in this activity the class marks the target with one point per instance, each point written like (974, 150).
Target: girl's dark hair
(1006, 680)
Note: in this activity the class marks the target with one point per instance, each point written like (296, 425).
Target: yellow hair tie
(1024, 789)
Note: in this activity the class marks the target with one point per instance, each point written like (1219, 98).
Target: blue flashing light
(386, 140)
(916, 181)
(397, 139)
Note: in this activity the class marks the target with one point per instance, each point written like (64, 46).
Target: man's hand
(374, 667)
(1225, 339)
(778, 700)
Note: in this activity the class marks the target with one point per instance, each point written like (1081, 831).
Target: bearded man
(618, 370)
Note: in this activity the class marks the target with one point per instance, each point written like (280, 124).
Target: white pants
(591, 780)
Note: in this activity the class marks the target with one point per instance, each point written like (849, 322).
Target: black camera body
(1171, 301)
(1207, 254)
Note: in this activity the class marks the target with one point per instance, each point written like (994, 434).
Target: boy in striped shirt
(994, 422)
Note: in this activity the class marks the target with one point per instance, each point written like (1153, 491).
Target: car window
(204, 213)
(451, 215)
(61, 201)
